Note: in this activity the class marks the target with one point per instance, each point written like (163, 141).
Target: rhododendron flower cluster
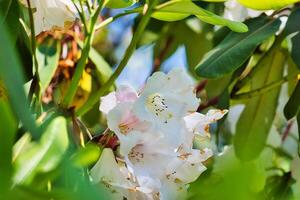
(156, 129)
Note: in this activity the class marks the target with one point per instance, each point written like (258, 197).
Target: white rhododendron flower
(52, 14)
(117, 180)
(156, 130)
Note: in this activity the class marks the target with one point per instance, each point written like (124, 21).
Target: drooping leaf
(12, 75)
(177, 10)
(236, 48)
(255, 121)
(48, 56)
(266, 4)
(293, 105)
(44, 155)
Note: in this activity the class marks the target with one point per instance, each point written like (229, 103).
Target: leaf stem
(132, 46)
(112, 19)
(260, 91)
(33, 49)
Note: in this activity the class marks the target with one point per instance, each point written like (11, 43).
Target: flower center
(156, 104)
(135, 155)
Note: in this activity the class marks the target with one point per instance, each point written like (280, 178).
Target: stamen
(158, 106)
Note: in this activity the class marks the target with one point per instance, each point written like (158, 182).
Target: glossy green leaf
(266, 4)
(48, 54)
(236, 48)
(177, 10)
(293, 105)
(12, 75)
(44, 155)
(255, 121)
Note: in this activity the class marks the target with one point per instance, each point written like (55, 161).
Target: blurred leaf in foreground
(43, 155)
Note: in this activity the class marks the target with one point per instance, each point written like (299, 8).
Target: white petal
(108, 102)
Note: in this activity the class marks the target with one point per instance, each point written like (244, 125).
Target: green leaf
(247, 179)
(44, 155)
(7, 136)
(293, 105)
(177, 10)
(118, 3)
(266, 4)
(255, 121)
(12, 75)
(236, 48)
(48, 56)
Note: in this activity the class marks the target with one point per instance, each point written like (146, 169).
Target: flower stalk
(82, 61)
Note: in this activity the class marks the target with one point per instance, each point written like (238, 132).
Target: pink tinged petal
(122, 121)
(123, 94)
(126, 93)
